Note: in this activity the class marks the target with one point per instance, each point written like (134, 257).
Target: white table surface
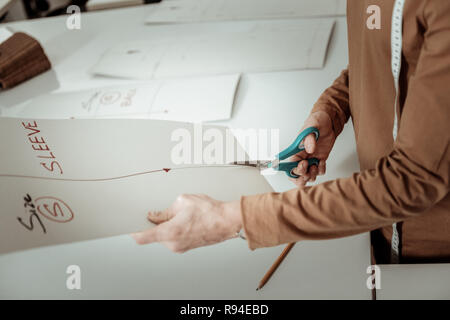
(116, 267)
(421, 281)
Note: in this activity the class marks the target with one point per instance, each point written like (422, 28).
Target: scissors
(288, 167)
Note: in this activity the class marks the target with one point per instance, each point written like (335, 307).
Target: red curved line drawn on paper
(121, 177)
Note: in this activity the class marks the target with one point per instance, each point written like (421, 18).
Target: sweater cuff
(260, 225)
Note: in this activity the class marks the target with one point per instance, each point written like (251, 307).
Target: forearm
(343, 207)
(232, 214)
(335, 102)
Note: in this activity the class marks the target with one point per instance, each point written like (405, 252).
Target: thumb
(158, 217)
(310, 143)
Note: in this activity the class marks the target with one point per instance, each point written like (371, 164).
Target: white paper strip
(188, 100)
(36, 212)
(181, 11)
(111, 4)
(266, 47)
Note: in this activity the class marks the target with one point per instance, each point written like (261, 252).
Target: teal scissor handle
(288, 167)
(297, 146)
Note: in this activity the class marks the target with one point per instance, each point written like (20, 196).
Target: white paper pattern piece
(111, 4)
(101, 177)
(187, 100)
(266, 47)
(182, 11)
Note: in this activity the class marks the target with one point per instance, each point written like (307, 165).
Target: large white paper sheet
(72, 180)
(187, 100)
(182, 11)
(266, 47)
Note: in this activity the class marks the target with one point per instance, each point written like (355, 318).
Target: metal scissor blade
(261, 165)
(274, 164)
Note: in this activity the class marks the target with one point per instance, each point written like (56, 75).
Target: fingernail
(153, 213)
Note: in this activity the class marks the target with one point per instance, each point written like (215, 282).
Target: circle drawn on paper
(54, 209)
(110, 97)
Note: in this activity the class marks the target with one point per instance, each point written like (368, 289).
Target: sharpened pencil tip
(257, 289)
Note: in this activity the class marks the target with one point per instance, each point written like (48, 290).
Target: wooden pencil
(275, 266)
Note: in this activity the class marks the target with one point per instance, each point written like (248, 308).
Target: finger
(313, 171)
(322, 167)
(310, 143)
(299, 182)
(302, 181)
(156, 234)
(299, 156)
(160, 216)
(302, 168)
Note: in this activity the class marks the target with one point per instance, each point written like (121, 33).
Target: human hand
(314, 149)
(193, 221)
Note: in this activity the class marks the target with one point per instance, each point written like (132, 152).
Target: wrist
(321, 113)
(232, 214)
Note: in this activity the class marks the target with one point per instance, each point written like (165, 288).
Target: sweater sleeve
(412, 178)
(335, 102)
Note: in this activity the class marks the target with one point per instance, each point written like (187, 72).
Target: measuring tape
(396, 64)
